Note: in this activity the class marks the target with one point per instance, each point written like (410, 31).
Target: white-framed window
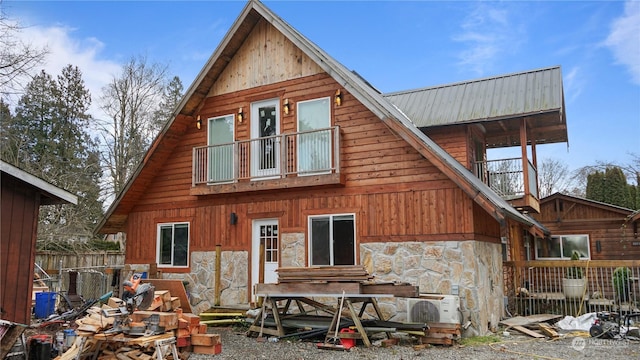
(314, 144)
(332, 239)
(562, 247)
(173, 244)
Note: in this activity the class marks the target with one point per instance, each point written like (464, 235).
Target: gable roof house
(22, 195)
(598, 231)
(276, 143)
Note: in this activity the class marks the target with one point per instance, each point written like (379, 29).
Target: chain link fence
(89, 284)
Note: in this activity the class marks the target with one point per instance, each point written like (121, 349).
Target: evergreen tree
(595, 186)
(610, 187)
(32, 126)
(633, 197)
(637, 192)
(616, 187)
(48, 137)
(171, 96)
(6, 134)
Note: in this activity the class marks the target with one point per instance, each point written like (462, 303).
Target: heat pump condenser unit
(434, 309)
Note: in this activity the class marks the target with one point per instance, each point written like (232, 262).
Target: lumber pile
(323, 273)
(351, 279)
(441, 334)
(107, 333)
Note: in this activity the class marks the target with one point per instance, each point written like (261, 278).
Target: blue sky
(395, 45)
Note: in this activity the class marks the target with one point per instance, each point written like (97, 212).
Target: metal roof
(500, 97)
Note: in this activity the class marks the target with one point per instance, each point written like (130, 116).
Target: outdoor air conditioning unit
(434, 309)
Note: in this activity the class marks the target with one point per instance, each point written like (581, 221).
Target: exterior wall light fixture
(240, 115)
(286, 106)
(338, 97)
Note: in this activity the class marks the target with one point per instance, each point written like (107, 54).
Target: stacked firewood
(107, 332)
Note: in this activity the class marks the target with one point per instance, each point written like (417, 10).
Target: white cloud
(64, 49)
(624, 39)
(573, 84)
(488, 33)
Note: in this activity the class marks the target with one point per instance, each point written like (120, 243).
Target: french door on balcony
(265, 126)
(221, 157)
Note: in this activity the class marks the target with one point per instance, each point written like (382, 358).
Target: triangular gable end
(266, 57)
(603, 208)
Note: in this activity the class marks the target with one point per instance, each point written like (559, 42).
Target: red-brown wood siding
(456, 141)
(396, 194)
(565, 217)
(484, 225)
(20, 207)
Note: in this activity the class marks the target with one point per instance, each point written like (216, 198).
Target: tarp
(582, 322)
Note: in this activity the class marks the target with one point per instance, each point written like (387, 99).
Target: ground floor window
(332, 239)
(173, 244)
(562, 247)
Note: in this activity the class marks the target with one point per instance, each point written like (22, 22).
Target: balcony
(289, 160)
(512, 181)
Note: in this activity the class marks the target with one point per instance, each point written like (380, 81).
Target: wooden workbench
(270, 305)
(344, 285)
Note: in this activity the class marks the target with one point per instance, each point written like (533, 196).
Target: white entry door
(265, 231)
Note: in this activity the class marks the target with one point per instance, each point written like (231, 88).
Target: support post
(216, 300)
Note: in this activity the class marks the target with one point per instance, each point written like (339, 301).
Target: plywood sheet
(531, 319)
(175, 287)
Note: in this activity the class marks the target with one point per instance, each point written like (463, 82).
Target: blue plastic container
(45, 304)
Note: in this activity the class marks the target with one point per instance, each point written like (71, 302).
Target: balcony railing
(506, 177)
(553, 286)
(314, 152)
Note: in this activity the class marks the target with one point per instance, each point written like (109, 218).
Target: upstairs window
(332, 240)
(314, 144)
(173, 244)
(562, 247)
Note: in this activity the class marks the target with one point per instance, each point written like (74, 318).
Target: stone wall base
(474, 268)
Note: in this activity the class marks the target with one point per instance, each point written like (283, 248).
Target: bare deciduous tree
(130, 101)
(553, 176)
(17, 58)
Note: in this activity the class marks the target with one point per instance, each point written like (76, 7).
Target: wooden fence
(93, 268)
(541, 286)
(52, 261)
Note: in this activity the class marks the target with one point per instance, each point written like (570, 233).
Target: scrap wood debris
(161, 331)
(535, 326)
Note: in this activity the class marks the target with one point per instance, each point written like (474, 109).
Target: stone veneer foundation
(476, 267)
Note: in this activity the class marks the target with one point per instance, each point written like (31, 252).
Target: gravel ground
(236, 345)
